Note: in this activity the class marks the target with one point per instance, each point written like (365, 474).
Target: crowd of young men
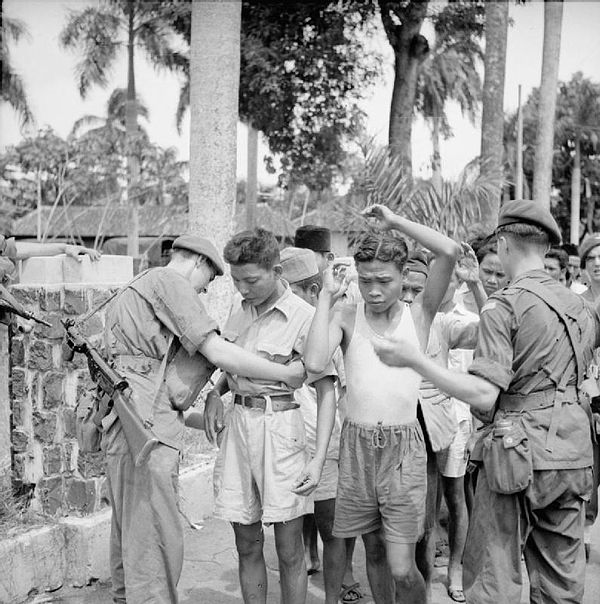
(305, 351)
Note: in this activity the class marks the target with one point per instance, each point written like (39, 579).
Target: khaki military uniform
(525, 349)
(146, 545)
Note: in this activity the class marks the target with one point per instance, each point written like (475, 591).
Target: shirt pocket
(276, 352)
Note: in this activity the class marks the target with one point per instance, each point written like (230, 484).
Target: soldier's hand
(396, 352)
(309, 478)
(382, 214)
(213, 416)
(295, 374)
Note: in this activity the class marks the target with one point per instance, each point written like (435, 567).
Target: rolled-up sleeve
(179, 308)
(493, 359)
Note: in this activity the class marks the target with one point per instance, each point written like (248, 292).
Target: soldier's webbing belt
(548, 297)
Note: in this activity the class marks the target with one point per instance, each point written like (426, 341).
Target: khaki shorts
(452, 461)
(382, 483)
(262, 454)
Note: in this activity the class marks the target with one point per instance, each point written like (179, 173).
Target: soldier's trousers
(545, 524)
(146, 540)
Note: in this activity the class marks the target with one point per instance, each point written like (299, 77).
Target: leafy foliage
(12, 88)
(577, 115)
(304, 66)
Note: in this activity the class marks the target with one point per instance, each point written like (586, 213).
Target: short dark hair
(384, 247)
(571, 249)
(252, 247)
(307, 283)
(525, 234)
(559, 254)
(484, 245)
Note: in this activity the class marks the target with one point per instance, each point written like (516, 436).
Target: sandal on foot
(350, 593)
(456, 594)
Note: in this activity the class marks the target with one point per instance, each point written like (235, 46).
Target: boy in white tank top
(382, 483)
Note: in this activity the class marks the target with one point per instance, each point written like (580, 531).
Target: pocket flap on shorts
(515, 437)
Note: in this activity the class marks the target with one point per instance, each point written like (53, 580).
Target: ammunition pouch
(508, 460)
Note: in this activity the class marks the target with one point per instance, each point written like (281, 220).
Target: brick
(68, 422)
(101, 295)
(18, 384)
(40, 356)
(51, 301)
(44, 426)
(52, 387)
(19, 412)
(70, 463)
(28, 296)
(19, 462)
(17, 351)
(52, 459)
(93, 326)
(51, 492)
(81, 495)
(91, 464)
(56, 332)
(75, 301)
(20, 440)
(85, 384)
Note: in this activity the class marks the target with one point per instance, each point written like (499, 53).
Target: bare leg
(292, 569)
(311, 551)
(349, 573)
(249, 541)
(378, 569)
(410, 586)
(454, 493)
(425, 558)
(334, 550)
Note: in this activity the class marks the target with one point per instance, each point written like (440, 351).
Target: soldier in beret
(536, 338)
(155, 326)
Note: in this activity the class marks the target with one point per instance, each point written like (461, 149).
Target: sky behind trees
(48, 74)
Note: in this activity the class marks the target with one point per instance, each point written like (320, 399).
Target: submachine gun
(113, 393)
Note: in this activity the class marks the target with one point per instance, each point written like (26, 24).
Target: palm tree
(98, 33)
(13, 88)
(544, 148)
(492, 112)
(578, 122)
(447, 74)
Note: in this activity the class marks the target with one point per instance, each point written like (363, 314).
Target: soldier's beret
(529, 212)
(589, 243)
(201, 246)
(315, 238)
(298, 264)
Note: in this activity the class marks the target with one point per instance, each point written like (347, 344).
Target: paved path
(210, 574)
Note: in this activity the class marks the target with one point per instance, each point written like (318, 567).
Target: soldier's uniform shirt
(518, 335)
(146, 546)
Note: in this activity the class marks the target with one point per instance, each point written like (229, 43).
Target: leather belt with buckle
(278, 403)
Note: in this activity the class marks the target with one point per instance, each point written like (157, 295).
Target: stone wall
(44, 387)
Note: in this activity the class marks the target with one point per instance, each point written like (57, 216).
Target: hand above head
(396, 352)
(385, 218)
(74, 251)
(331, 285)
(467, 267)
(213, 417)
(309, 478)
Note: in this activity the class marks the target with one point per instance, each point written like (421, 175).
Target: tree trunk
(492, 114)
(131, 129)
(589, 206)
(410, 49)
(251, 178)
(544, 147)
(214, 85)
(436, 157)
(576, 192)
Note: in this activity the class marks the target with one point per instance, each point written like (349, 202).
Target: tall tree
(98, 33)
(544, 147)
(492, 112)
(402, 21)
(13, 89)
